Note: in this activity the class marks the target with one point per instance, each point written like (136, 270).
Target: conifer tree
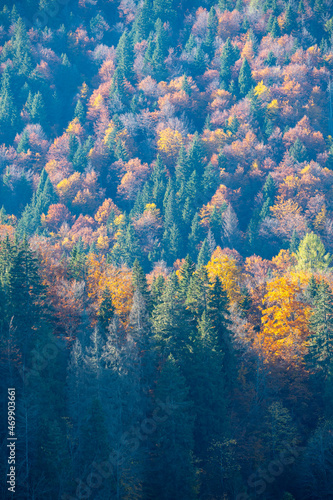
(106, 310)
(125, 56)
(289, 20)
(275, 30)
(228, 59)
(38, 112)
(211, 32)
(79, 112)
(142, 23)
(320, 343)
(195, 237)
(298, 151)
(245, 81)
(140, 284)
(159, 53)
(23, 144)
(159, 181)
(196, 155)
(41, 200)
(204, 254)
(174, 473)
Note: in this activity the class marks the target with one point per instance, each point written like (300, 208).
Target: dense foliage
(166, 231)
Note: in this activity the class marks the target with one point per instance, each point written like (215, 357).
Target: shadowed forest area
(166, 249)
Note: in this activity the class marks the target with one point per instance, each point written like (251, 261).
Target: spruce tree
(140, 285)
(38, 112)
(142, 23)
(125, 56)
(298, 151)
(106, 310)
(245, 80)
(320, 342)
(79, 112)
(228, 59)
(195, 237)
(173, 471)
(204, 254)
(211, 32)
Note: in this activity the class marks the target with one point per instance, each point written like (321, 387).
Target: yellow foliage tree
(227, 269)
(118, 281)
(169, 143)
(285, 318)
(105, 210)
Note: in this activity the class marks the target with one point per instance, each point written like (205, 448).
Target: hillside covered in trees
(166, 248)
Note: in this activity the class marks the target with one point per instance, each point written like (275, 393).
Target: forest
(166, 249)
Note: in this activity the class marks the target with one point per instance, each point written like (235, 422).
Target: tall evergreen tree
(245, 80)
(173, 470)
(320, 343)
(125, 56)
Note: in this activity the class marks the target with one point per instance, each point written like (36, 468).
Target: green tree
(41, 200)
(106, 309)
(245, 80)
(211, 32)
(311, 254)
(174, 473)
(228, 58)
(204, 254)
(320, 342)
(38, 111)
(125, 56)
(298, 151)
(79, 112)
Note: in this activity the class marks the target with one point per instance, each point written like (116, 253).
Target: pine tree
(275, 30)
(164, 10)
(23, 144)
(186, 88)
(210, 181)
(21, 49)
(245, 81)
(195, 237)
(170, 322)
(320, 343)
(298, 151)
(159, 182)
(41, 200)
(142, 23)
(218, 314)
(207, 389)
(125, 56)
(38, 112)
(140, 285)
(211, 32)
(294, 242)
(228, 59)
(204, 254)
(196, 155)
(197, 294)
(173, 471)
(185, 274)
(159, 54)
(269, 189)
(8, 111)
(77, 262)
(289, 20)
(106, 310)
(182, 169)
(79, 112)
(127, 247)
(199, 64)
